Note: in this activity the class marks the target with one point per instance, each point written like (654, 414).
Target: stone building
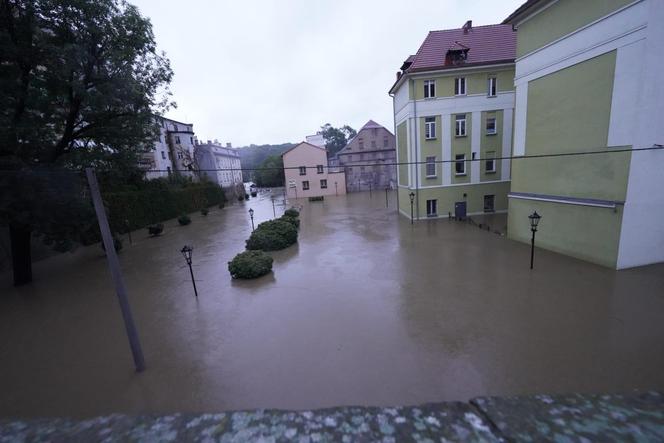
(173, 152)
(369, 159)
(220, 164)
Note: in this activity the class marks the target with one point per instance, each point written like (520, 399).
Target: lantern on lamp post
(186, 253)
(534, 221)
(412, 199)
(251, 214)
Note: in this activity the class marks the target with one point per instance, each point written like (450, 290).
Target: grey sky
(274, 71)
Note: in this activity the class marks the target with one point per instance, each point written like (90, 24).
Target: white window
(431, 167)
(303, 170)
(490, 162)
(319, 169)
(180, 155)
(460, 164)
(492, 87)
(429, 128)
(305, 185)
(491, 125)
(460, 86)
(323, 184)
(429, 88)
(163, 155)
(460, 125)
(432, 208)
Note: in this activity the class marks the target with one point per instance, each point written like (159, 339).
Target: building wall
(476, 82)
(367, 161)
(310, 157)
(588, 89)
(402, 156)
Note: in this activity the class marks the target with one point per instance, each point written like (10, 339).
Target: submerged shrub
(250, 264)
(272, 235)
(292, 212)
(292, 220)
(156, 229)
(184, 220)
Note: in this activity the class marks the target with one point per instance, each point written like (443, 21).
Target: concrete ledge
(539, 418)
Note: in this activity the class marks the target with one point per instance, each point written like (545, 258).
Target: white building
(316, 140)
(220, 164)
(173, 152)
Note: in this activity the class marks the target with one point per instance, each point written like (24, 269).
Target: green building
(453, 113)
(589, 79)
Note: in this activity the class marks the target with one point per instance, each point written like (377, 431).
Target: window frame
(305, 185)
(432, 204)
(429, 89)
(323, 183)
(458, 118)
(459, 161)
(303, 170)
(430, 162)
(492, 86)
(458, 83)
(495, 125)
(490, 157)
(177, 139)
(320, 169)
(430, 128)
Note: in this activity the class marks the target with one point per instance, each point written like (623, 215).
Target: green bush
(250, 264)
(156, 229)
(272, 235)
(292, 212)
(184, 220)
(205, 211)
(292, 220)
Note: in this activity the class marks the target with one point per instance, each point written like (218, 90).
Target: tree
(82, 82)
(336, 138)
(270, 173)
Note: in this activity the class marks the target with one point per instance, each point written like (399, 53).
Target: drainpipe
(396, 167)
(417, 143)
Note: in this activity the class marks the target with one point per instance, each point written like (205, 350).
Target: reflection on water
(366, 309)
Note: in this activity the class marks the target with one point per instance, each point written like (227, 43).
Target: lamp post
(274, 212)
(186, 253)
(534, 221)
(370, 190)
(412, 198)
(386, 190)
(251, 214)
(335, 189)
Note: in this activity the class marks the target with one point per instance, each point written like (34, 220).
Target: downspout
(417, 142)
(396, 139)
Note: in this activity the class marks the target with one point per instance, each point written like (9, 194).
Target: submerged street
(365, 310)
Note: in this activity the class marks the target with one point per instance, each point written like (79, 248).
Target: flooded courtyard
(367, 309)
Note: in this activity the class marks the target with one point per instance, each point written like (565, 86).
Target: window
(385, 142)
(492, 87)
(303, 170)
(169, 154)
(323, 184)
(460, 86)
(177, 139)
(489, 203)
(175, 127)
(460, 164)
(361, 168)
(374, 131)
(361, 143)
(432, 208)
(180, 155)
(429, 88)
(163, 155)
(460, 127)
(373, 143)
(491, 125)
(430, 128)
(490, 162)
(319, 169)
(361, 157)
(191, 139)
(305, 185)
(431, 167)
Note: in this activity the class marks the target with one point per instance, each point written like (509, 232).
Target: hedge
(272, 235)
(143, 208)
(292, 212)
(250, 264)
(292, 220)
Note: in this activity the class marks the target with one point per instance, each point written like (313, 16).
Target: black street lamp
(251, 214)
(186, 253)
(370, 190)
(412, 198)
(534, 221)
(336, 192)
(274, 212)
(386, 190)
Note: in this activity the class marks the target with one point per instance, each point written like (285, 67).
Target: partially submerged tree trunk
(21, 257)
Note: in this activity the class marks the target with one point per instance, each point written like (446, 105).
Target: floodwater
(365, 310)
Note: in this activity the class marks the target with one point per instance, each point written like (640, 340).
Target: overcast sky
(249, 71)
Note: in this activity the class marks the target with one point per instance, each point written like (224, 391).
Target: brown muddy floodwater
(365, 310)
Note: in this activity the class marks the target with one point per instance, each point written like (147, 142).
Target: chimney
(467, 26)
(209, 142)
(228, 145)
(216, 142)
(398, 75)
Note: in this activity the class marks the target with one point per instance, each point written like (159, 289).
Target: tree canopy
(81, 83)
(270, 173)
(336, 138)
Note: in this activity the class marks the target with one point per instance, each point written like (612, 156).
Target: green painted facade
(461, 145)
(402, 152)
(446, 197)
(560, 19)
(430, 148)
(491, 145)
(476, 83)
(569, 111)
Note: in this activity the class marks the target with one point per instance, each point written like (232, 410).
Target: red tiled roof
(486, 45)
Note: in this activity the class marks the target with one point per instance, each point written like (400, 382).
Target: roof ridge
(473, 27)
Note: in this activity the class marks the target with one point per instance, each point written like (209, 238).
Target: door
(460, 210)
(432, 208)
(489, 201)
